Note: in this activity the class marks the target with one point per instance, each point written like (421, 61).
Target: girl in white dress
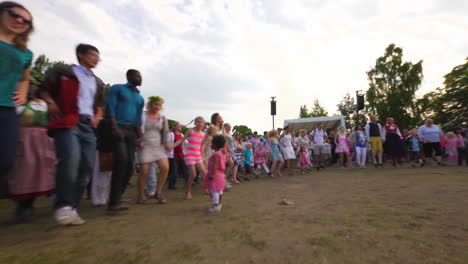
(288, 148)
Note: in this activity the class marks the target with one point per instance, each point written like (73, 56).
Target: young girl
(231, 144)
(304, 161)
(206, 143)
(342, 146)
(239, 158)
(193, 155)
(215, 179)
(287, 141)
(260, 159)
(415, 148)
(451, 148)
(276, 156)
(248, 158)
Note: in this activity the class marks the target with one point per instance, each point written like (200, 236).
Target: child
(415, 148)
(248, 157)
(359, 141)
(451, 148)
(276, 156)
(260, 159)
(215, 180)
(342, 147)
(206, 148)
(304, 161)
(192, 155)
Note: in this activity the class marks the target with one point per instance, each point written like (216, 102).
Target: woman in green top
(15, 61)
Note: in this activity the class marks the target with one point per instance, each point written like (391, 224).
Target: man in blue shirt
(125, 107)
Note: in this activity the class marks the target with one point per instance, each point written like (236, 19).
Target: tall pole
(273, 109)
(357, 109)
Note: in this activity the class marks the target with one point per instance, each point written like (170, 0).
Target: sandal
(160, 198)
(141, 201)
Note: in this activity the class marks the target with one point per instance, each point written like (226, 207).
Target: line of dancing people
(64, 131)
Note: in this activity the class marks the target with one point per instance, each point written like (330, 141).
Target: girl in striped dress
(192, 154)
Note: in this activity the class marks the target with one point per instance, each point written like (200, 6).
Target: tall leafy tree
(347, 108)
(448, 106)
(318, 110)
(40, 67)
(242, 129)
(304, 112)
(392, 87)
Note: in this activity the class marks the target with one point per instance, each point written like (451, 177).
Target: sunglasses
(15, 16)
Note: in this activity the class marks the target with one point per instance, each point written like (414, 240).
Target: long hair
(21, 40)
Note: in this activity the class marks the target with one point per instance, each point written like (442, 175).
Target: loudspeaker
(360, 102)
(273, 108)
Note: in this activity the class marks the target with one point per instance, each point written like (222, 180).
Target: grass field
(403, 215)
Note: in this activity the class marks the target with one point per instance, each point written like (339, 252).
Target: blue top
(125, 105)
(13, 62)
(87, 91)
(414, 144)
(432, 134)
(248, 157)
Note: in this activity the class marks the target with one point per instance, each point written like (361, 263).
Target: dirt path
(400, 215)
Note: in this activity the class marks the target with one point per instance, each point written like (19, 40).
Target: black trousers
(175, 166)
(124, 157)
(8, 144)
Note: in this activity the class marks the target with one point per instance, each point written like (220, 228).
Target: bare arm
(21, 94)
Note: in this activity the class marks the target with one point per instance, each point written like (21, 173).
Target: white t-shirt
(170, 154)
(318, 136)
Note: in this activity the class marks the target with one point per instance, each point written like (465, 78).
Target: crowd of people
(65, 137)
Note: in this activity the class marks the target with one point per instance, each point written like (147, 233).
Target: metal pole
(357, 109)
(273, 121)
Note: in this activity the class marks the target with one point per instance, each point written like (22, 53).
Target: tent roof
(310, 123)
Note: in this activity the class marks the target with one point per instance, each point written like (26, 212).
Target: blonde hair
(239, 148)
(451, 135)
(212, 130)
(272, 133)
(154, 99)
(303, 130)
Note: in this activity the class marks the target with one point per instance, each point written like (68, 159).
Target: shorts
(432, 146)
(376, 145)
(320, 149)
(192, 161)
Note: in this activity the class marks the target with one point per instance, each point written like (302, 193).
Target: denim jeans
(152, 180)
(76, 154)
(175, 166)
(8, 144)
(124, 157)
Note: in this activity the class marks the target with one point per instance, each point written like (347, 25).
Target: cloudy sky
(230, 56)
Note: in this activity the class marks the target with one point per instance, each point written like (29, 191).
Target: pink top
(218, 182)
(304, 160)
(193, 149)
(460, 142)
(451, 143)
(259, 156)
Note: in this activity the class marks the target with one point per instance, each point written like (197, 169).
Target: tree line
(393, 84)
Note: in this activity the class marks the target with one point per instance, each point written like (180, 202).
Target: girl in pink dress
(215, 180)
(192, 153)
(260, 158)
(342, 146)
(451, 141)
(304, 161)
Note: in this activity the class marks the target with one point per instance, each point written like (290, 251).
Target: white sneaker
(64, 215)
(77, 219)
(215, 208)
(228, 185)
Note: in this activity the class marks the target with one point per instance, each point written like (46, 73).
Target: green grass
(185, 251)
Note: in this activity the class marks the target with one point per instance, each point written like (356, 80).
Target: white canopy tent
(333, 122)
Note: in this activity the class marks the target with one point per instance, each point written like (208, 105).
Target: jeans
(151, 180)
(124, 157)
(8, 144)
(76, 154)
(175, 165)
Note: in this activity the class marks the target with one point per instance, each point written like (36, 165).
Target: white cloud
(231, 56)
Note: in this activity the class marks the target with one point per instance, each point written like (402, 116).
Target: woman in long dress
(393, 140)
(288, 149)
(153, 148)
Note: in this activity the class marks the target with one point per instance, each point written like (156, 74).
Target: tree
(318, 110)
(448, 106)
(347, 108)
(41, 65)
(243, 130)
(304, 112)
(392, 87)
